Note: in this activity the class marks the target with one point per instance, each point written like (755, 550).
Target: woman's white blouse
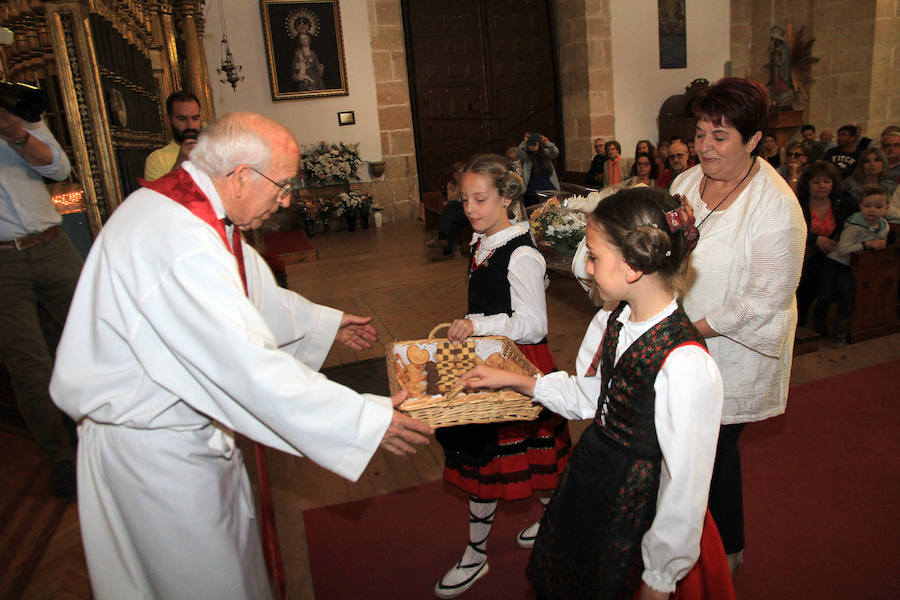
(688, 411)
(528, 322)
(743, 278)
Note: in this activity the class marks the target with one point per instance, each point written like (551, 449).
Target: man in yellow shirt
(183, 113)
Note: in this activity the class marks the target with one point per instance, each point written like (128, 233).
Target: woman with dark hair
(872, 170)
(536, 156)
(644, 170)
(645, 146)
(792, 169)
(614, 169)
(825, 208)
(744, 273)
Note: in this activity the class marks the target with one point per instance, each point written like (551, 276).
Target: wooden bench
(875, 291)
(433, 205)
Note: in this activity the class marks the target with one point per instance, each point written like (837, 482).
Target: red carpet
(820, 487)
(821, 492)
(396, 546)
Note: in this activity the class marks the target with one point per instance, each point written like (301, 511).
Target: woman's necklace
(703, 191)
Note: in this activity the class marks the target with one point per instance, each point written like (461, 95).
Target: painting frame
(304, 48)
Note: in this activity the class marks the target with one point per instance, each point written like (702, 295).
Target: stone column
(398, 192)
(884, 98)
(196, 71)
(585, 61)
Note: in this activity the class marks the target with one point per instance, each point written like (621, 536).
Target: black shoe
(445, 255)
(62, 480)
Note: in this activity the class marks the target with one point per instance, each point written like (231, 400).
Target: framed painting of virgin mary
(304, 48)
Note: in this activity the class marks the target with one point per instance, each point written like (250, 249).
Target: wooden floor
(385, 273)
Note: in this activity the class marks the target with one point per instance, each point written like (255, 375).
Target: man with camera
(39, 267)
(183, 114)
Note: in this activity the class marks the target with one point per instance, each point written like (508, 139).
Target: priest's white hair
(231, 141)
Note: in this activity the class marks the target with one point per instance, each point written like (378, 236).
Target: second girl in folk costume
(627, 521)
(506, 461)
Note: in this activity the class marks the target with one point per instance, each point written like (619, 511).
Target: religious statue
(790, 64)
(781, 82)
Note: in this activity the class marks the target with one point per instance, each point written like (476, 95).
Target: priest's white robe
(163, 355)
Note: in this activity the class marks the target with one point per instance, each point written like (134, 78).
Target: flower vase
(351, 222)
(324, 224)
(364, 219)
(310, 227)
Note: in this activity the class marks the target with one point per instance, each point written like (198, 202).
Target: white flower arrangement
(558, 227)
(355, 203)
(326, 162)
(587, 204)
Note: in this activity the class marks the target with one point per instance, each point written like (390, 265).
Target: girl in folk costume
(505, 461)
(629, 519)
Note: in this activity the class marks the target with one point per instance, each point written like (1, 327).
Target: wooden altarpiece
(106, 67)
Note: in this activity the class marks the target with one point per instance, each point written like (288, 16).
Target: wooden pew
(875, 277)
(433, 205)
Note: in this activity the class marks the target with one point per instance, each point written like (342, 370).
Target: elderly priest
(178, 336)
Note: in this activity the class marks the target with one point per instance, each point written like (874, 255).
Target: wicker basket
(449, 361)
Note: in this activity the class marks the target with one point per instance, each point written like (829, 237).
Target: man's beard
(187, 134)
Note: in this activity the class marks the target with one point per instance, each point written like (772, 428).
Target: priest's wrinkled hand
(356, 332)
(404, 431)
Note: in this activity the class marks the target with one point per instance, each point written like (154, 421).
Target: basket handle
(436, 328)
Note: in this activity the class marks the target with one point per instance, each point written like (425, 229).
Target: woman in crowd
(536, 156)
(614, 169)
(745, 271)
(644, 146)
(872, 170)
(643, 170)
(825, 208)
(771, 151)
(792, 169)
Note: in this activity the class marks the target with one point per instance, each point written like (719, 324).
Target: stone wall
(844, 31)
(585, 56)
(741, 38)
(398, 190)
(858, 46)
(884, 103)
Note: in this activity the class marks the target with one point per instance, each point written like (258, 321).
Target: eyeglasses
(795, 154)
(286, 188)
(678, 155)
(643, 164)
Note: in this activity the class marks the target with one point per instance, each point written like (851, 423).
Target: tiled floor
(385, 273)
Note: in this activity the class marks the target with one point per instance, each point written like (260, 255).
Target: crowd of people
(833, 180)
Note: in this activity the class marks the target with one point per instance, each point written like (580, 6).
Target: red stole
(180, 187)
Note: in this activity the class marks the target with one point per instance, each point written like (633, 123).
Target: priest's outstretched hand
(404, 431)
(356, 332)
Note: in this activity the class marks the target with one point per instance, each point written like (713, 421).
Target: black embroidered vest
(488, 283)
(626, 410)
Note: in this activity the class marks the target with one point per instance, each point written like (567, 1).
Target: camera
(23, 100)
(534, 139)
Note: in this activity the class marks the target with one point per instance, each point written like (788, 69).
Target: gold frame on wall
(304, 48)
